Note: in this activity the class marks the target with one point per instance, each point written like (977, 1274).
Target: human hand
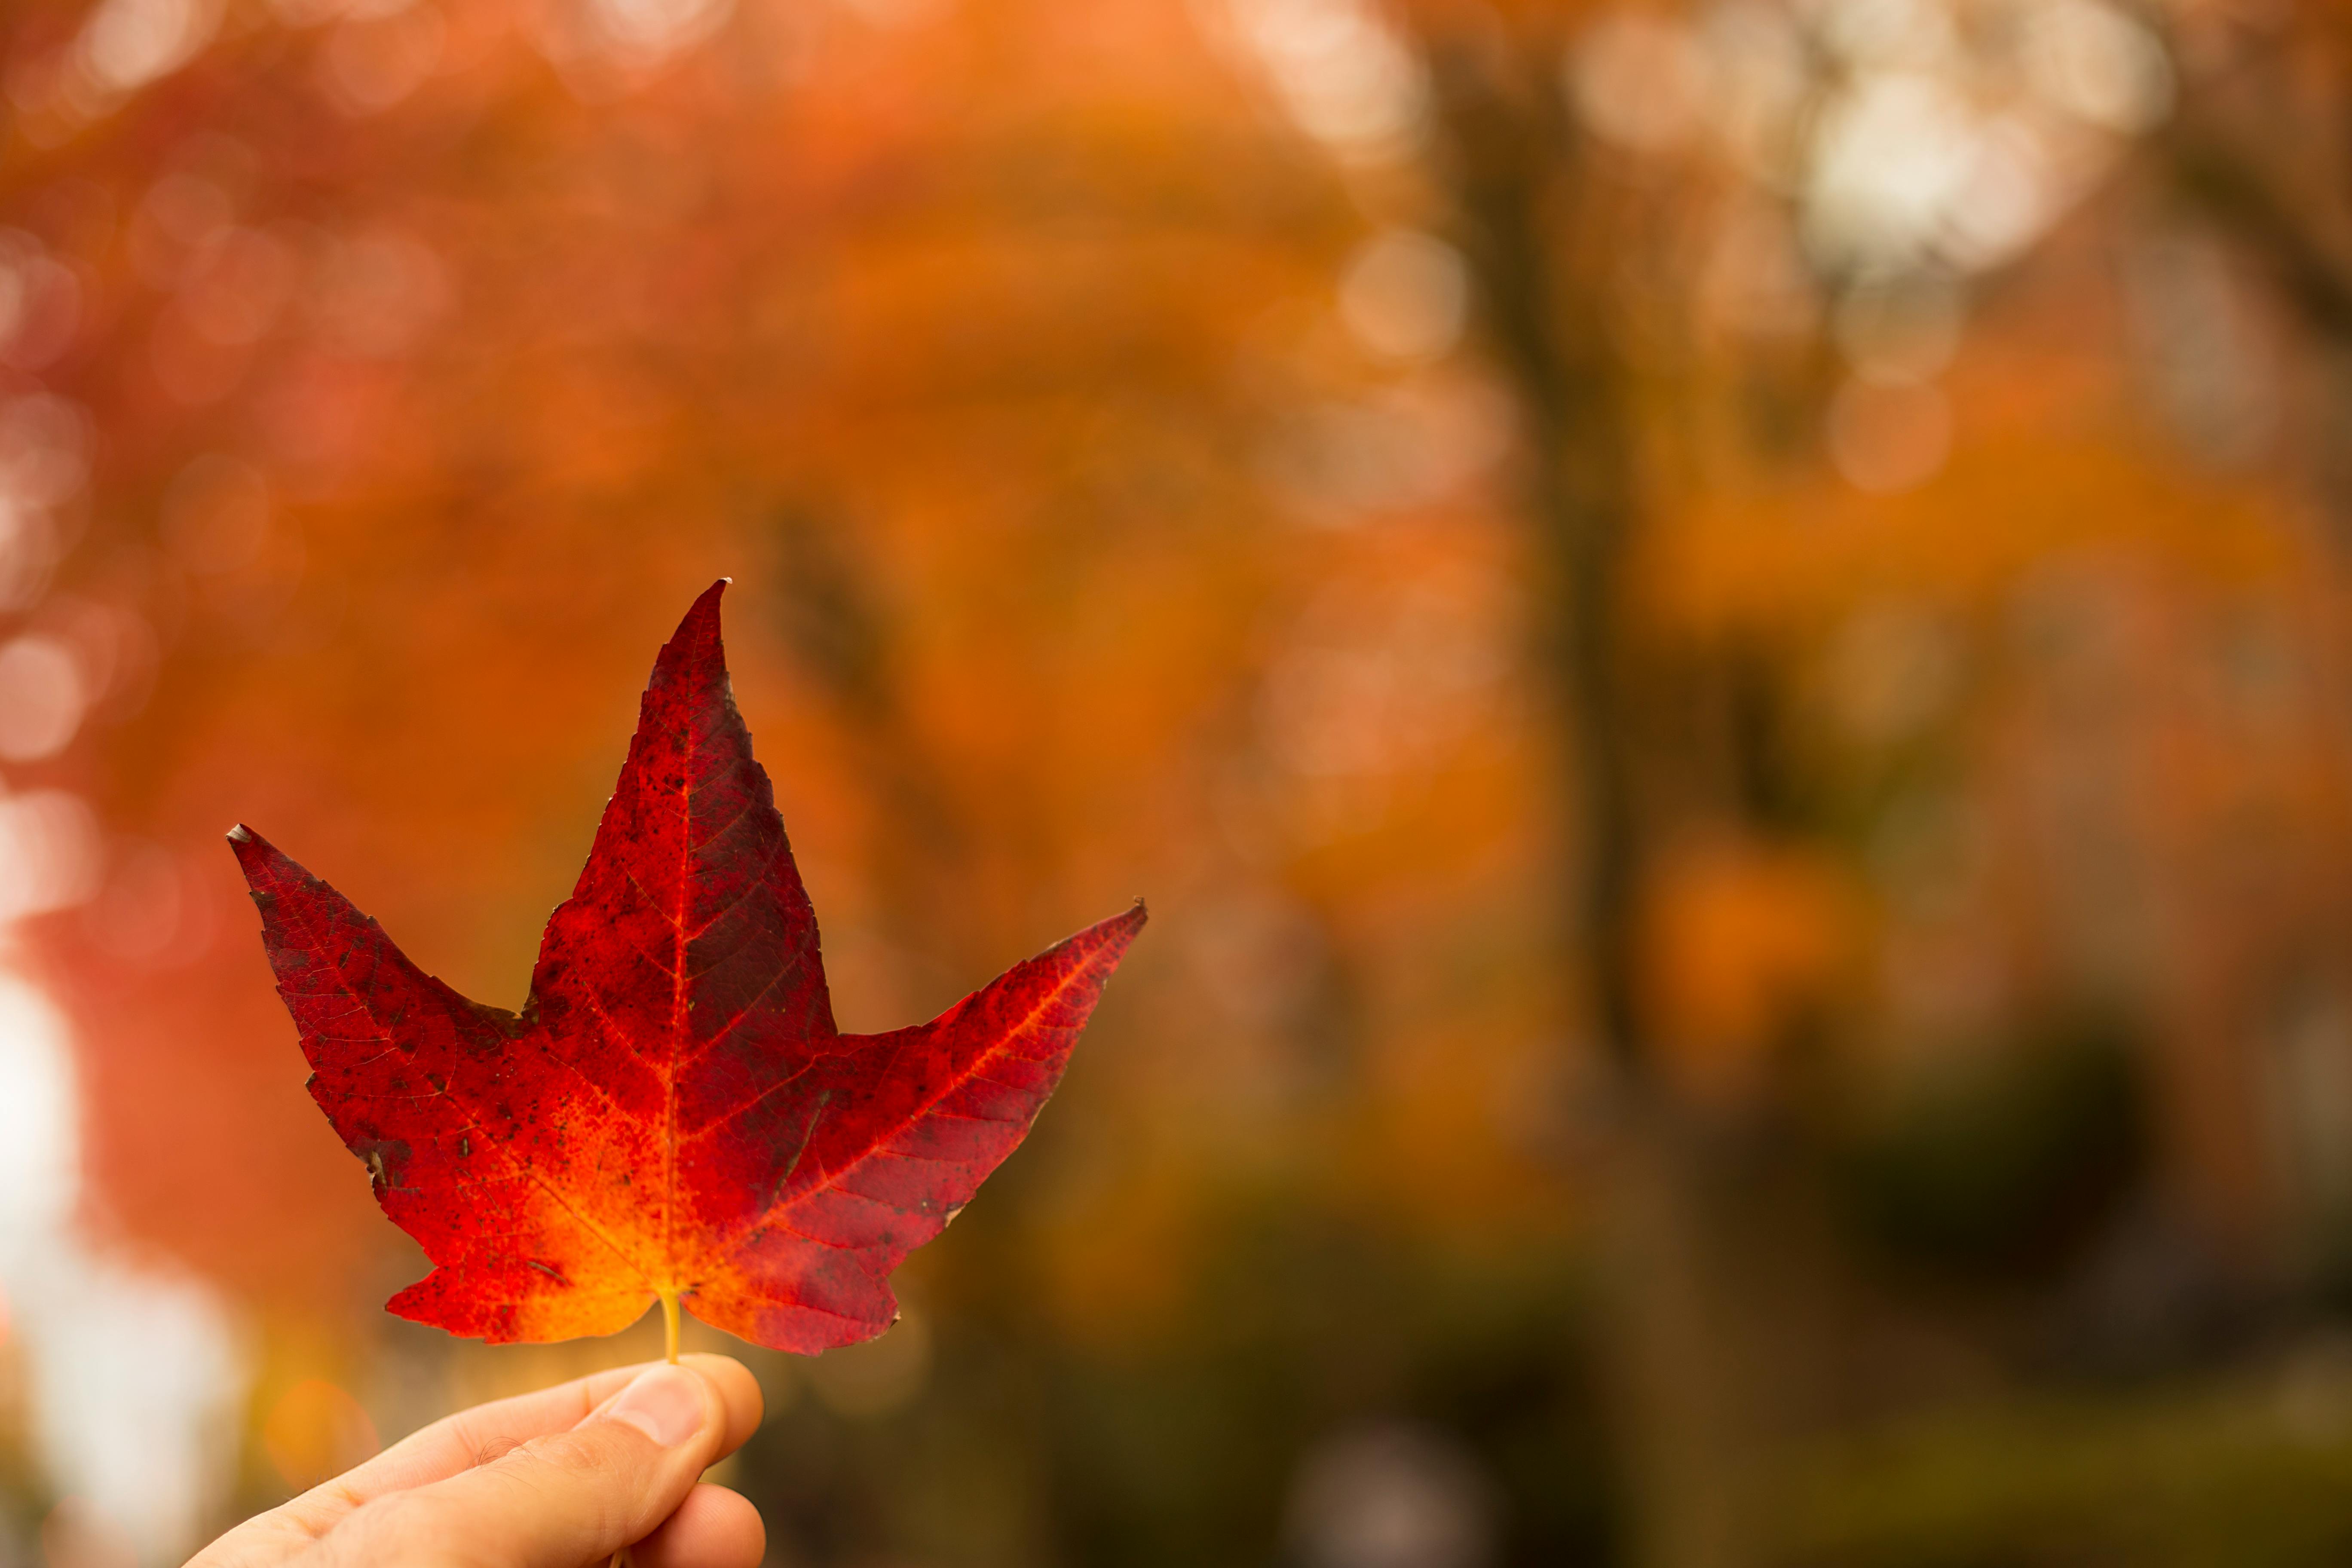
(561, 1478)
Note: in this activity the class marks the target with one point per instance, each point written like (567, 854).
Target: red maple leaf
(673, 1115)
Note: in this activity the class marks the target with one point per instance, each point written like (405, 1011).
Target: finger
(460, 1442)
(713, 1527)
(451, 1445)
(559, 1499)
(475, 1436)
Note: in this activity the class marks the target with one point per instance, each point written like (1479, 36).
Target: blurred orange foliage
(1132, 468)
(314, 1431)
(420, 405)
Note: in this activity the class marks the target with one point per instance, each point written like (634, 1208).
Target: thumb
(563, 1500)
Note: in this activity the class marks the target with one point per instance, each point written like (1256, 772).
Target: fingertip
(670, 1405)
(738, 1390)
(713, 1527)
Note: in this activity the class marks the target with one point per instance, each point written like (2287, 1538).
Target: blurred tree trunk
(2259, 153)
(1545, 232)
(841, 639)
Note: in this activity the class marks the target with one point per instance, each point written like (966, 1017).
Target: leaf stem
(625, 1558)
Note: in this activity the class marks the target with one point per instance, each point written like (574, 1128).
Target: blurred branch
(2312, 255)
(1544, 232)
(836, 626)
(2242, 152)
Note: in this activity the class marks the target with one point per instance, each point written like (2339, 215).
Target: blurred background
(1717, 630)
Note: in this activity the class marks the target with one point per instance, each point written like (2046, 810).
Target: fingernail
(665, 1403)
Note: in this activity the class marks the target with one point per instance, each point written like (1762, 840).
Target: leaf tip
(697, 643)
(240, 834)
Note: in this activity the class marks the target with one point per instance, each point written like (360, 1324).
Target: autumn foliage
(1156, 441)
